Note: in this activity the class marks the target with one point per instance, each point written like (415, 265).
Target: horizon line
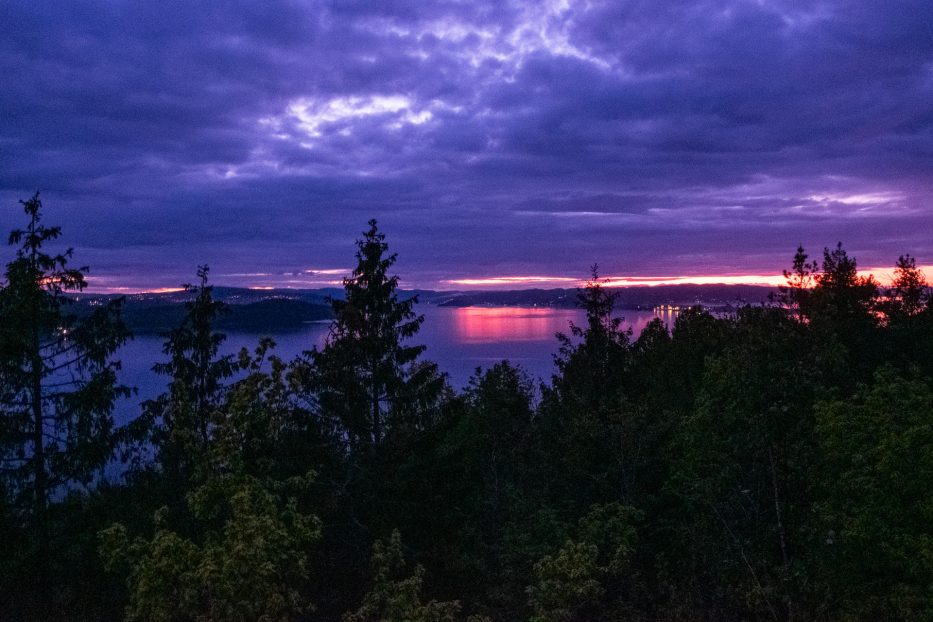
(518, 282)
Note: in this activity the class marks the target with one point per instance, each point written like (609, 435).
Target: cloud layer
(489, 138)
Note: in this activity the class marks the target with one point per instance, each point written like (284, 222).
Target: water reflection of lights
(487, 325)
(513, 324)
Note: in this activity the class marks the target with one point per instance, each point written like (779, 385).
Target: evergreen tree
(233, 539)
(842, 311)
(58, 381)
(365, 377)
(368, 393)
(179, 422)
(479, 486)
(582, 421)
(840, 293)
(909, 293)
(800, 280)
(593, 357)
(909, 315)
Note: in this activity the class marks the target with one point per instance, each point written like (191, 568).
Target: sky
(514, 141)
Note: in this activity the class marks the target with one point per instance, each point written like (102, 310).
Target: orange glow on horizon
(511, 280)
(884, 276)
(619, 281)
(722, 279)
(122, 289)
(163, 290)
(328, 271)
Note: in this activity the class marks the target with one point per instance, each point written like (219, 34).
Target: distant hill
(637, 297)
(269, 316)
(277, 311)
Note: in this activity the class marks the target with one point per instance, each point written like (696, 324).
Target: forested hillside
(774, 463)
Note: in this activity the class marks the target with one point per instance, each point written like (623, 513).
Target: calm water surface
(458, 339)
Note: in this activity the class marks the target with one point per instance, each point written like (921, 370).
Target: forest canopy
(774, 463)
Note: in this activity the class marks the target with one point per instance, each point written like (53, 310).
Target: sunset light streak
(511, 280)
(883, 275)
(163, 290)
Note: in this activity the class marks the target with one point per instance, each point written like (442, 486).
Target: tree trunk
(40, 485)
(374, 405)
(788, 601)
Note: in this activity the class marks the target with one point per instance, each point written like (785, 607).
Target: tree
(841, 309)
(246, 561)
(800, 280)
(179, 423)
(587, 425)
(909, 315)
(744, 459)
(586, 579)
(839, 290)
(831, 292)
(58, 382)
(592, 358)
(233, 538)
(843, 314)
(394, 597)
(909, 296)
(873, 499)
(473, 487)
(365, 376)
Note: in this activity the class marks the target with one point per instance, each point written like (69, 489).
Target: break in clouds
(489, 139)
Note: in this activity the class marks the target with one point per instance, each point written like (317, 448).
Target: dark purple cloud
(489, 138)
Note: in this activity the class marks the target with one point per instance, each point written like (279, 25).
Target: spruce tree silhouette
(58, 382)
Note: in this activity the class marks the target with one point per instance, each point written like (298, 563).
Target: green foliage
(239, 546)
(394, 597)
(589, 570)
(874, 505)
(248, 561)
(745, 461)
(567, 583)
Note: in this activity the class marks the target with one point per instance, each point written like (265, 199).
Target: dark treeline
(775, 464)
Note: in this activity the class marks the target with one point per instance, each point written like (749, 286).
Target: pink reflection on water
(488, 325)
(510, 324)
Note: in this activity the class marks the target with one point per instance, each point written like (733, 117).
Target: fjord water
(458, 339)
